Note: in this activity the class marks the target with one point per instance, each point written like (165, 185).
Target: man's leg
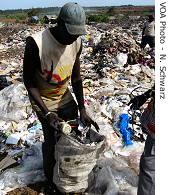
(48, 148)
(146, 185)
(68, 112)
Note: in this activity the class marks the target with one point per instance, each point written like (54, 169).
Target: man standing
(51, 60)
(148, 33)
(146, 185)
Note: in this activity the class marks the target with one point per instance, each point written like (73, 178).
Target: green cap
(74, 18)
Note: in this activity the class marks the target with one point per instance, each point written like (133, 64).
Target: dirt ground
(7, 20)
(36, 189)
(33, 189)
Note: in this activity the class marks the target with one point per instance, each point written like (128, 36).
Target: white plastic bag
(102, 182)
(121, 59)
(14, 103)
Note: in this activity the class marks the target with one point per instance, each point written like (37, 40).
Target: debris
(6, 162)
(113, 69)
(13, 139)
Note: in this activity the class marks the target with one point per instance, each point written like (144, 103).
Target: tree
(33, 12)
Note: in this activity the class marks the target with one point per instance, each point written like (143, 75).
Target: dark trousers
(68, 112)
(147, 40)
(146, 185)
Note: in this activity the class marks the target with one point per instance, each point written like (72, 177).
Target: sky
(24, 4)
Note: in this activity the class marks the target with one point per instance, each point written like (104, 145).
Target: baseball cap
(74, 18)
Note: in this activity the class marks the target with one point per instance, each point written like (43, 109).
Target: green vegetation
(98, 18)
(17, 16)
(145, 13)
(94, 14)
(48, 10)
(42, 20)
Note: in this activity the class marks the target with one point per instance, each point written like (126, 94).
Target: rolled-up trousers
(146, 185)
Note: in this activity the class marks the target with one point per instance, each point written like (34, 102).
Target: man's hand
(137, 102)
(87, 121)
(54, 120)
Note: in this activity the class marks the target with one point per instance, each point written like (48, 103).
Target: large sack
(75, 161)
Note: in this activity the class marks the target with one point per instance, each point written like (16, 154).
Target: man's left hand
(87, 121)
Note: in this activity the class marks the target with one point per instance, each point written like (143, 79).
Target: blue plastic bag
(124, 129)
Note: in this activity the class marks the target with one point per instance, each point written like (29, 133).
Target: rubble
(114, 69)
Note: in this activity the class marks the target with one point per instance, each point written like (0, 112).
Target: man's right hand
(137, 102)
(54, 120)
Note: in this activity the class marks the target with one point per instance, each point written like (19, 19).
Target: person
(146, 184)
(51, 61)
(148, 33)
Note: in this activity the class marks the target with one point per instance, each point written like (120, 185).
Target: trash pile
(12, 44)
(12, 40)
(114, 69)
(20, 130)
(21, 137)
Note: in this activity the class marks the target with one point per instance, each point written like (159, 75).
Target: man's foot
(50, 189)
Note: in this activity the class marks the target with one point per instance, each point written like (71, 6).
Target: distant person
(148, 33)
(51, 61)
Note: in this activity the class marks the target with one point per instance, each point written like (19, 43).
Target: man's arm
(30, 65)
(77, 81)
(143, 31)
(139, 100)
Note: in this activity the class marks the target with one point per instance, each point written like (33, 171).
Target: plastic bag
(102, 182)
(126, 132)
(32, 159)
(13, 178)
(14, 103)
(121, 59)
(125, 177)
(112, 176)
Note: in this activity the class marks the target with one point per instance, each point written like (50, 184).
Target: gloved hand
(87, 121)
(54, 120)
(137, 102)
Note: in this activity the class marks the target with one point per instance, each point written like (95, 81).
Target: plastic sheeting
(29, 171)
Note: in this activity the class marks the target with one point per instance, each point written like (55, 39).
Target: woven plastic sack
(75, 161)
